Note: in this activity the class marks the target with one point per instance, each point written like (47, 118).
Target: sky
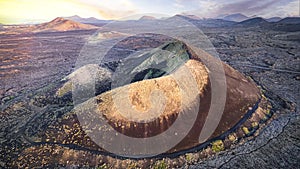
(30, 11)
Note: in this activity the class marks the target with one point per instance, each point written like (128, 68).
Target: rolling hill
(210, 23)
(258, 21)
(273, 19)
(290, 20)
(90, 20)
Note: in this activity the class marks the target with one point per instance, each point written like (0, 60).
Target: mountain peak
(237, 17)
(274, 19)
(258, 21)
(90, 20)
(146, 17)
(58, 19)
(61, 24)
(238, 14)
(73, 17)
(188, 16)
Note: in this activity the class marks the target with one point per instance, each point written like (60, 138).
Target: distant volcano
(258, 21)
(147, 18)
(193, 17)
(238, 17)
(60, 24)
(90, 20)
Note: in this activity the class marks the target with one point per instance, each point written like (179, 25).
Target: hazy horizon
(35, 11)
(134, 17)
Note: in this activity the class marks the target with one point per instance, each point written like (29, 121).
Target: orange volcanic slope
(61, 24)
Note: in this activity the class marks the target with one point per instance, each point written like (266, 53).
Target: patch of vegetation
(132, 166)
(160, 165)
(246, 131)
(268, 111)
(190, 158)
(217, 146)
(103, 166)
(254, 125)
(232, 138)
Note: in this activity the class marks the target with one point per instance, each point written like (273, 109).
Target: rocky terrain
(32, 66)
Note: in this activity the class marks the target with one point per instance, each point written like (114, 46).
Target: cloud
(290, 9)
(249, 7)
(115, 14)
(208, 8)
(111, 9)
(178, 4)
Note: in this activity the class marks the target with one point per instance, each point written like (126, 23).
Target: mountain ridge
(90, 20)
(290, 20)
